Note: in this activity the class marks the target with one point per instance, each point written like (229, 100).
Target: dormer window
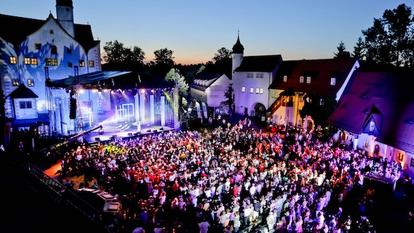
(333, 81)
(285, 78)
(301, 79)
(308, 79)
(13, 60)
(15, 82)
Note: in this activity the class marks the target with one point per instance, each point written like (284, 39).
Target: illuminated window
(261, 91)
(30, 82)
(15, 82)
(308, 79)
(243, 89)
(53, 50)
(91, 63)
(13, 60)
(51, 62)
(285, 78)
(251, 90)
(257, 90)
(27, 60)
(25, 104)
(33, 61)
(321, 101)
(81, 63)
(333, 81)
(301, 79)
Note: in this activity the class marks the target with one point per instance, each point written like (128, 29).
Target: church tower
(64, 12)
(237, 54)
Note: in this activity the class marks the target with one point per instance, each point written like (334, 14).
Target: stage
(110, 132)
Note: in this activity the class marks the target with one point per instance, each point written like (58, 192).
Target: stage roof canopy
(111, 80)
(87, 80)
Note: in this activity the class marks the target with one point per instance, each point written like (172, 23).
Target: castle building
(33, 51)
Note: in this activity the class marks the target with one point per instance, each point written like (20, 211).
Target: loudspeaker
(72, 108)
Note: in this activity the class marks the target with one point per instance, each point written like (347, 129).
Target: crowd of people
(233, 178)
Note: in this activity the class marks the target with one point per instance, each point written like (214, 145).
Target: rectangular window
(25, 104)
(285, 78)
(30, 82)
(51, 62)
(243, 89)
(308, 79)
(333, 81)
(259, 75)
(38, 46)
(70, 64)
(321, 102)
(51, 31)
(261, 91)
(33, 61)
(249, 75)
(53, 50)
(27, 60)
(301, 79)
(91, 63)
(13, 60)
(257, 90)
(251, 90)
(15, 82)
(81, 63)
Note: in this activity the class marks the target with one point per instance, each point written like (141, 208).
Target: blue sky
(195, 29)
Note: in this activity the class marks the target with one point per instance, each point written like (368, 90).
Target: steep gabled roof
(386, 95)
(264, 63)
(205, 80)
(22, 92)
(320, 70)
(15, 29)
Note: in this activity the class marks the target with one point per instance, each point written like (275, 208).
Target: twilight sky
(194, 30)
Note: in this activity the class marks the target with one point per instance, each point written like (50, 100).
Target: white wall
(25, 113)
(247, 99)
(215, 92)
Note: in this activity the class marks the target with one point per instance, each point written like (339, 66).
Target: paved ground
(27, 208)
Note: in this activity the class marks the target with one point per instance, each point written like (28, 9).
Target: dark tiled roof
(15, 29)
(264, 63)
(22, 92)
(321, 71)
(390, 94)
(64, 3)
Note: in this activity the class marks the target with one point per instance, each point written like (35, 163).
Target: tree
(221, 55)
(359, 49)
(390, 39)
(179, 80)
(164, 57)
(117, 56)
(229, 102)
(342, 53)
